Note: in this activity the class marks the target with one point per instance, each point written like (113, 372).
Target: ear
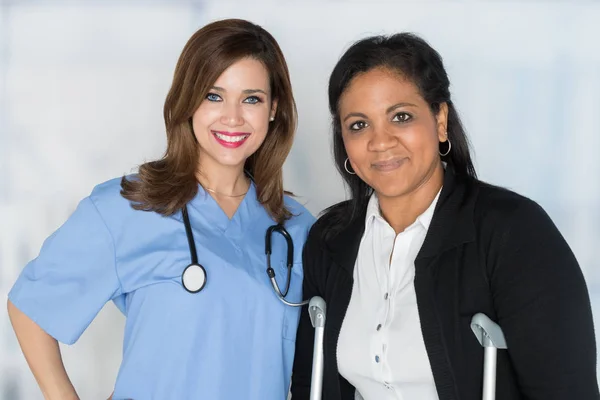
(442, 122)
(273, 108)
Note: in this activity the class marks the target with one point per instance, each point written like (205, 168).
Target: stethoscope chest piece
(193, 278)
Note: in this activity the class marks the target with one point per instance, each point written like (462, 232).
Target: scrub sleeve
(65, 287)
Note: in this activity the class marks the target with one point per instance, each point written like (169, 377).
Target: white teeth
(230, 139)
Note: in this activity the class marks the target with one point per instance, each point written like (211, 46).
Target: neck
(402, 211)
(224, 180)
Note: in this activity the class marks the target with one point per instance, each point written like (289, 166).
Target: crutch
(316, 311)
(490, 336)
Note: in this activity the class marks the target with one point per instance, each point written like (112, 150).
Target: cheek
(258, 119)
(422, 143)
(198, 126)
(204, 117)
(355, 148)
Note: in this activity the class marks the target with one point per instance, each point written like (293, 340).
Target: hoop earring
(449, 148)
(346, 167)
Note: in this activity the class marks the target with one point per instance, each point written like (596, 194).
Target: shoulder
(115, 210)
(329, 223)
(507, 223)
(106, 196)
(506, 207)
(301, 216)
(332, 216)
(332, 236)
(92, 221)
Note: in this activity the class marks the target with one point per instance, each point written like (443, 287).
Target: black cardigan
(487, 250)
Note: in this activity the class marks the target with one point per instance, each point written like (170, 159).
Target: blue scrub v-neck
(215, 218)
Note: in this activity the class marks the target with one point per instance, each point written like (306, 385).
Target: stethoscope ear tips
(193, 278)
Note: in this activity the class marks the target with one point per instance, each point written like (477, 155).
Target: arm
(43, 356)
(301, 374)
(543, 306)
(59, 293)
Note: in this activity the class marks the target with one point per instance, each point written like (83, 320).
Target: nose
(232, 115)
(382, 140)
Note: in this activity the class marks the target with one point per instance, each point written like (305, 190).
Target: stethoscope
(193, 277)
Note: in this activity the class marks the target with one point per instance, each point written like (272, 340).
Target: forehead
(379, 86)
(246, 73)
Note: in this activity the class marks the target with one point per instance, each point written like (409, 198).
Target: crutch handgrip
(491, 337)
(316, 311)
(488, 332)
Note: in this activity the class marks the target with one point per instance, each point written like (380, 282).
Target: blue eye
(213, 97)
(402, 117)
(358, 125)
(253, 100)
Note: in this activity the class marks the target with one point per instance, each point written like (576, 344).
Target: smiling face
(390, 134)
(232, 121)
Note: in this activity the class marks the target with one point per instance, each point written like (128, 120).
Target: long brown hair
(166, 185)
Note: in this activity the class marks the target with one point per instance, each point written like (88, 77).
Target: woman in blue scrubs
(230, 119)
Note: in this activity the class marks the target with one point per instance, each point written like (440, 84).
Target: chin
(393, 188)
(232, 163)
(388, 185)
(390, 192)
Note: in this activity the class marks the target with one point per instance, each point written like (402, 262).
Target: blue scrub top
(232, 340)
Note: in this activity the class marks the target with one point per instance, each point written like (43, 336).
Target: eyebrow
(246, 91)
(389, 110)
(359, 115)
(392, 108)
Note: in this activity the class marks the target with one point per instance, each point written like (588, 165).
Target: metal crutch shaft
(316, 311)
(489, 373)
(490, 336)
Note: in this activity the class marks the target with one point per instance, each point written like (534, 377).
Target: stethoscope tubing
(194, 265)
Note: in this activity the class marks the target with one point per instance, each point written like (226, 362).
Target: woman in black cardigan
(422, 246)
